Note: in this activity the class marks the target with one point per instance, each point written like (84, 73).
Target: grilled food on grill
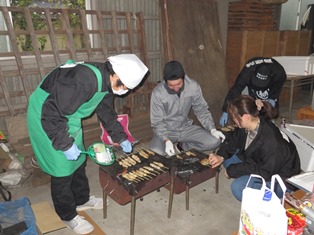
(205, 162)
(189, 153)
(136, 158)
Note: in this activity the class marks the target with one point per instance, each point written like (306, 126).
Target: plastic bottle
(283, 123)
(309, 219)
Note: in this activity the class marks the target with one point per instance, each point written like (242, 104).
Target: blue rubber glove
(272, 102)
(72, 153)
(126, 146)
(223, 119)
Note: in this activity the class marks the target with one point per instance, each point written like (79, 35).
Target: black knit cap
(173, 70)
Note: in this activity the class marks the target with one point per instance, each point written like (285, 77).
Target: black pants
(70, 191)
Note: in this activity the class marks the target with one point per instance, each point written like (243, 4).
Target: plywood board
(191, 33)
(97, 230)
(46, 218)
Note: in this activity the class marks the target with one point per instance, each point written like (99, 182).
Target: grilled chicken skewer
(189, 153)
(150, 169)
(142, 153)
(156, 167)
(137, 176)
(147, 171)
(136, 158)
(130, 177)
(148, 151)
(142, 174)
(160, 164)
(122, 163)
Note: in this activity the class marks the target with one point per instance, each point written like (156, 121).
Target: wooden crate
(251, 15)
(305, 113)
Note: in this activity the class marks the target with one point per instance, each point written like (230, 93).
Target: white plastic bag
(262, 212)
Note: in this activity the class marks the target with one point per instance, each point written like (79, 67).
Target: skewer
(150, 169)
(143, 154)
(189, 153)
(136, 176)
(148, 151)
(147, 172)
(179, 157)
(160, 164)
(156, 167)
(136, 158)
(142, 174)
(130, 178)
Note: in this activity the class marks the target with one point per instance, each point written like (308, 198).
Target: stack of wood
(251, 15)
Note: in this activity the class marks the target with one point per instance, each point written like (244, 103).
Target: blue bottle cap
(267, 195)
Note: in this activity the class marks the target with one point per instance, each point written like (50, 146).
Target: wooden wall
(243, 45)
(194, 39)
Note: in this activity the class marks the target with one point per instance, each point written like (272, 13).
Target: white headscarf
(130, 69)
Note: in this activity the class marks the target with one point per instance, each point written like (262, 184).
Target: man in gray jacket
(171, 102)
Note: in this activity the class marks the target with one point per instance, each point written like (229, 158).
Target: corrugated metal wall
(151, 12)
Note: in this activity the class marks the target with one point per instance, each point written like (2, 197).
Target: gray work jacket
(169, 112)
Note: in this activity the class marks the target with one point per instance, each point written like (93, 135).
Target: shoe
(178, 147)
(79, 225)
(92, 203)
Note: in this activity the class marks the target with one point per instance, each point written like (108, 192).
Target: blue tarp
(14, 212)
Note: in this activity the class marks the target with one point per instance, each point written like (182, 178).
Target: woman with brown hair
(256, 146)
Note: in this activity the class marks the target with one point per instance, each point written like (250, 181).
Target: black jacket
(268, 154)
(68, 89)
(244, 80)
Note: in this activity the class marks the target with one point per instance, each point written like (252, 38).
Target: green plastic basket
(104, 150)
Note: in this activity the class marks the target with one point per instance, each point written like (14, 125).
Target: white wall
(290, 19)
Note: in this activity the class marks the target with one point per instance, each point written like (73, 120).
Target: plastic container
(297, 65)
(303, 138)
(101, 154)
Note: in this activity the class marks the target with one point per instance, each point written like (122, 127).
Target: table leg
(187, 194)
(291, 100)
(171, 196)
(311, 90)
(217, 180)
(104, 200)
(132, 224)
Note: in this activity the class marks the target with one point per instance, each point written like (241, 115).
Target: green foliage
(39, 22)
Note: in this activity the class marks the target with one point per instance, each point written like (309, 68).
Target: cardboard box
(297, 65)
(97, 229)
(47, 219)
(303, 138)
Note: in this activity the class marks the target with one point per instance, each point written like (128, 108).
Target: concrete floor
(209, 213)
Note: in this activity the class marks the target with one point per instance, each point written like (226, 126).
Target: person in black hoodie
(256, 146)
(264, 78)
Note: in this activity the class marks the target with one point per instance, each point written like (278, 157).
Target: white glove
(218, 134)
(169, 148)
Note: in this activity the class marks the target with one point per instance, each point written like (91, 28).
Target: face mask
(118, 92)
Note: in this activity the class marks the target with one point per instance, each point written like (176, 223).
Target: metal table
(297, 81)
(124, 192)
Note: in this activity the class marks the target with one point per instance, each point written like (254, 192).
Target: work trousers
(70, 191)
(192, 137)
(240, 183)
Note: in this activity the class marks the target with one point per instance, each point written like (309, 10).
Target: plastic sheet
(15, 212)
